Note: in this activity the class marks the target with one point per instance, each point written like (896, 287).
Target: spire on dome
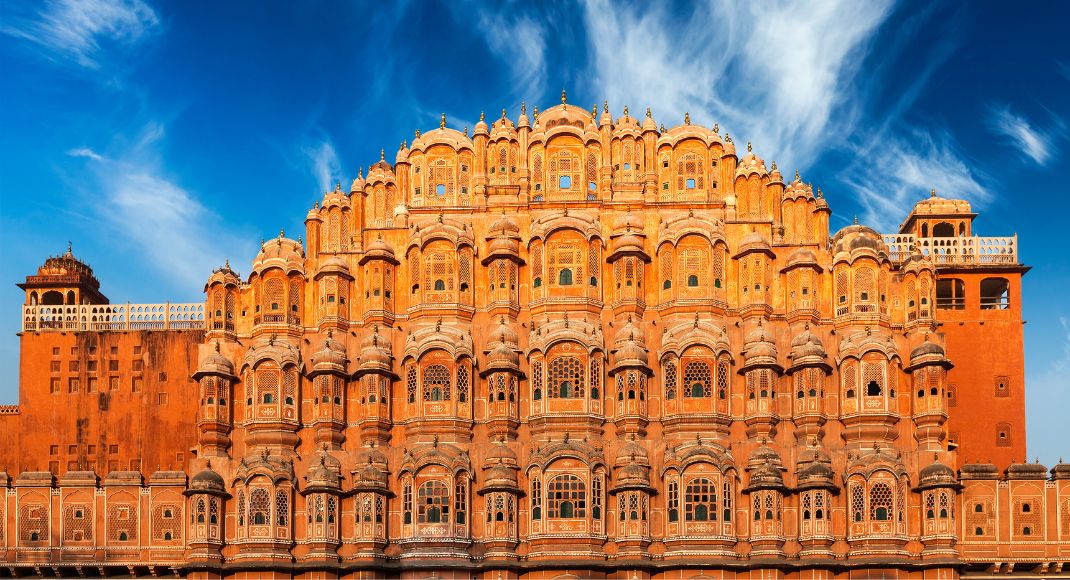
(563, 95)
(442, 121)
(648, 113)
(481, 116)
(687, 118)
(382, 155)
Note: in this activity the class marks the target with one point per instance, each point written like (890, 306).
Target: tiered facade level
(569, 344)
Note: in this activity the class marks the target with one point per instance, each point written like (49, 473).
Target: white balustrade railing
(113, 317)
(955, 251)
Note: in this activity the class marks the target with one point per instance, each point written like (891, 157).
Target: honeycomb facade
(566, 345)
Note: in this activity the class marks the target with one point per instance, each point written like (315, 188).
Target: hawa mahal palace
(568, 345)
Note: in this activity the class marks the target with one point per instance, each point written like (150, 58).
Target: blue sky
(163, 138)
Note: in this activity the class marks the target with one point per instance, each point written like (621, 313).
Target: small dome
(378, 249)
(333, 265)
(807, 348)
(936, 473)
(215, 364)
(371, 455)
(505, 224)
(323, 476)
(208, 481)
(330, 357)
(927, 348)
(282, 253)
(500, 476)
(500, 453)
(754, 241)
(630, 348)
(375, 353)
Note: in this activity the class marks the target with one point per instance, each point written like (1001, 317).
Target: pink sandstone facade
(568, 345)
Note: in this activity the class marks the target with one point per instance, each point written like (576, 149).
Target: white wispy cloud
(85, 152)
(167, 227)
(890, 173)
(770, 73)
(1032, 142)
(80, 30)
(519, 42)
(323, 163)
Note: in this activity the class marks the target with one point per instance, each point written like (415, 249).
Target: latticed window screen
(694, 268)
(273, 295)
(465, 269)
(566, 497)
(673, 501)
(591, 172)
(594, 263)
(295, 296)
(462, 383)
(536, 374)
(700, 500)
(596, 376)
(460, 502)
(536, 261)
(536, 169)
(433, 503)
(689, 173)
(566, 257)
(436, 383)
(78, 522)
(566, 378)
(873, 374)
(33, 522)
(842, 283)
(282, 507)
(289, 386)
(267, 383)
(666, 261)
(410, 383)
(722, 378)
(669, 370)
(414, 269)
(439, 272)
(880, 502)
(166, 522)
(122, 522)
(697, 381)
(259, 507)
(865, 288)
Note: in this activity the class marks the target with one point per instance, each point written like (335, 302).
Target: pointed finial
(523, 108)
(69, 249)
(625, 110)
(749, 148)
(796, 175)
(466, 131)
(594, 111)
(819, 194)
(382, 155)
(360, 173)
(716, 128)
(774, 165)
(338, 186)
(932, 193)
(282, 233)
(663, 127)
(727, 137)
(648, 112)
(442, 121)
(482, 117)
(226, 263)
(856, 220)
(563, 96)
(687, 118)
(417, 133)
(503, 114)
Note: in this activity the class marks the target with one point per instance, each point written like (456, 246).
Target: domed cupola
(500, 469)
(375, 354)
(629, 349)
(503, 353)
(334, 264)
(207, 481)
(369, 478)
(928, 353)
(504, 238)
(215, 364)
(358, 184)
(330, 357)
(632, 468)
(754, 242)
(322, 476)
(759, 349)
(936, 474)
(281, 252)
(378, 249)
(857, 240)
(798, 189)
(751, 164)
(765, 469)
(628, 239)
(807, 350)
(481, 126)
(814, 468)
(224, 275)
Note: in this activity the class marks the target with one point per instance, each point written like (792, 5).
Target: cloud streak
(80, 31)
(1033, 143)
(323, 163)
(773, 74)
(519, 41)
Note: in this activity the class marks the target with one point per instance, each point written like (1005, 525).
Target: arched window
(436, 383)
(564, 277)
(880, 502)
(700, 500)
(566, 497)
(697, 380)
(566, 378)
(259, 507)
(669, 368)
(433, 503)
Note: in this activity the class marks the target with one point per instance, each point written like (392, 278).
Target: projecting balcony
(113, 317)
(956, 251)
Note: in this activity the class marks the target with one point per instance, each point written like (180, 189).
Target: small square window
(74, 351)
(91, 366)
(55, 366)
(113, 449)
(53, 449)
(73, 366)
(55, 351)
(73, 385)
(113, 365)
(53, 385)
(137, 349)
(162, 398)
(72, 449)
(565, 182)
(690, 183)
(114, 350)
